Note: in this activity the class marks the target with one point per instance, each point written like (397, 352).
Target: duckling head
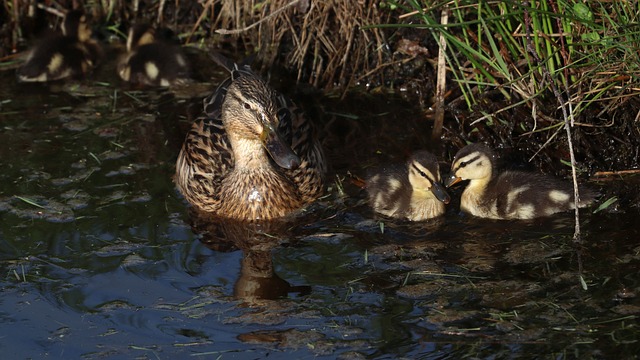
(472, 162)
(139, 35)
(424, 175)
(76, 25)
(250, 113)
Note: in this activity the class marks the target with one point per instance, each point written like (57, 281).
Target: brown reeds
(325, 41)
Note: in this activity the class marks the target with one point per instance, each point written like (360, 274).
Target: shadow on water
(102, 259)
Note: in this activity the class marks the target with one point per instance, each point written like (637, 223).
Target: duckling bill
(252, 155)
(71, 54)
(408, 191)
(152, 59)
(509, 194)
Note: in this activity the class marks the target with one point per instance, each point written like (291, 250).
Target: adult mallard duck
(411, 190)
(509, 194)
(70, 54)
(252, 155)
(153, 60)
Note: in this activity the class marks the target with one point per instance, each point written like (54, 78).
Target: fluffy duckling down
(509, 194)
(70, 54)
(411, 190)
(152, 59)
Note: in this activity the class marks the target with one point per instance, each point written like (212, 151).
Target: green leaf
(606, 204)
(590, 37)
(583, 12)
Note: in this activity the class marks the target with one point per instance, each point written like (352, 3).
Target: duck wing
(206, 156)
(301, 134)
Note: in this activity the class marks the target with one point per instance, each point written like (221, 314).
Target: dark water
(102, 259)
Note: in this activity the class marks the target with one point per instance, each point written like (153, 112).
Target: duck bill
(440, 193)
(451, 180)
(280, 152)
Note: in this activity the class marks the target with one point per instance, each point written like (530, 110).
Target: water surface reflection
(103, 259)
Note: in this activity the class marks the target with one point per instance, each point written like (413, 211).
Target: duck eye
(247, 106)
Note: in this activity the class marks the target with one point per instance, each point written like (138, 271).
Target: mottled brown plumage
(509, 194)
(252, 155)
(409, 191)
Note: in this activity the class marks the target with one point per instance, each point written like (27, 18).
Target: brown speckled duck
(70, 54)
(509, 194)
(410, 191)
(152, 59)
(252, 156)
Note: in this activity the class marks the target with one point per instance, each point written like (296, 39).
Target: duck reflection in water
(257, 280)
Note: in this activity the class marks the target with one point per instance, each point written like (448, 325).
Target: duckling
(252, 155)
(510, 194)
(152, 60)
(72, 54)
(411, 190)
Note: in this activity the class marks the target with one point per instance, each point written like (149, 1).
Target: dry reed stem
(441, 84)
(266, 18)
(618, 173)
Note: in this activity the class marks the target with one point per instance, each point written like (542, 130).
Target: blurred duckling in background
(410, 191)
(72, 54)
(152, 59)
(510, 194)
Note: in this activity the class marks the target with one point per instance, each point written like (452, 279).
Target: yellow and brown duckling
(410, 191)
(152, 59)
(252, 155)
(509, 194)
(70, 54)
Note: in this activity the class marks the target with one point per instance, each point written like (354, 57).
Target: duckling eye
(247, 106)
(474, 159)
(421, 173)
